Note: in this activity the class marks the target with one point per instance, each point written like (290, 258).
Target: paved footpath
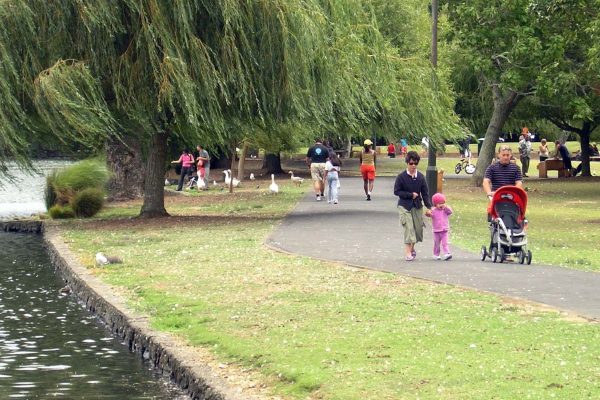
(366, 234)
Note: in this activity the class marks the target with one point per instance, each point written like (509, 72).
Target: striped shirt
(503, 174)
(368, 158)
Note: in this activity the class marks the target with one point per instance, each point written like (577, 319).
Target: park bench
(552, 164)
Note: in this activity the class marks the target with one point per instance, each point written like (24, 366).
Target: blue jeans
(332, 186)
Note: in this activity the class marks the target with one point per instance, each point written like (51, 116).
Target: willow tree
(131, 71)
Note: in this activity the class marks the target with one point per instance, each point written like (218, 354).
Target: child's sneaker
(437, 257)
(335, 202)
(318, 198)
(447, 256)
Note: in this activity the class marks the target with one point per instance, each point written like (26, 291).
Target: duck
(273, 187)
(65, 290)
(296, 179)
(236, 182)
(252, 176)
(102, 259)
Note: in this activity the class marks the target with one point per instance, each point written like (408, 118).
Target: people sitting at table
(561, 151)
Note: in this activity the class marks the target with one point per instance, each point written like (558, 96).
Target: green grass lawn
(318, 330)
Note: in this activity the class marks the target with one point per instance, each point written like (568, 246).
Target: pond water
(24, 195)
(50, 346)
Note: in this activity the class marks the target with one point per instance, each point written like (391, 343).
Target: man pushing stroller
(503, 185)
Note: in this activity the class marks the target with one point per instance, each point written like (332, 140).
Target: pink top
(187, 160)
(439, 219)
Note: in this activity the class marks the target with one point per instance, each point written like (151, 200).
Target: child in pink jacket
(441, 226)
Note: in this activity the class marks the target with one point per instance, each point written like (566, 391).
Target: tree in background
(568, 91)
(138, 74)
(508, 50)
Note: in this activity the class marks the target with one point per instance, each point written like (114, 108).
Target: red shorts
(368, 172)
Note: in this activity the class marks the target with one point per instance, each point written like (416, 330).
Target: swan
(295, 179)
(236, 182)
(273, 187)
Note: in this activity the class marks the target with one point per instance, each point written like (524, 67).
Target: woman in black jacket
(411, 189)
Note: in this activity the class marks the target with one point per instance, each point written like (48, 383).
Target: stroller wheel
(502, 255)
(528, 257)
(484, 253)
(521, 257)
(494, 255)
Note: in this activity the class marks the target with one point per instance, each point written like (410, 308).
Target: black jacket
(405, 186)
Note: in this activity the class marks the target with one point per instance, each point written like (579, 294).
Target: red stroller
(507, 226)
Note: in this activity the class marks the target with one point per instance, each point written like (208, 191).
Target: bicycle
(465, 164)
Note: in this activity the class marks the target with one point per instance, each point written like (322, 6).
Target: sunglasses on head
(413, 163)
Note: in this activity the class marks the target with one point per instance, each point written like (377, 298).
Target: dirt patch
(529, 308)
(143, 224)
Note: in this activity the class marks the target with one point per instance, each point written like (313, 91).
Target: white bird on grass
(102, 259)
(273, 187)
(236, 182)
(296, 179)
(252, 176)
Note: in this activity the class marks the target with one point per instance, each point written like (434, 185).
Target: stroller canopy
(510, 194)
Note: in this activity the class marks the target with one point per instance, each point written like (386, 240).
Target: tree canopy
(98, 69)
(507, 51)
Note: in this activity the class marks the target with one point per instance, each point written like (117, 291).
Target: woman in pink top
(186, 159)
(441, 226)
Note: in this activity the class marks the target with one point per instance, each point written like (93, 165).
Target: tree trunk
(503, 106)
(154, 194)
(242, 162)
(124, 161)
(272, 163)
(585, 149)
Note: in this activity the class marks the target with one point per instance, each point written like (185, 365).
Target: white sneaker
(318, 198)
(335, 202)
(447, 256)
(437, 257)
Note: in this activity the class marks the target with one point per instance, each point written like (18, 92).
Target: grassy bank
(324, 331)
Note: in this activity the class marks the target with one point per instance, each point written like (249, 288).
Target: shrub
(50, 195)
(61, 212)
(88, 202)
(79, 176)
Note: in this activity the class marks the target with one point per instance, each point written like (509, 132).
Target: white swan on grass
(273, 187)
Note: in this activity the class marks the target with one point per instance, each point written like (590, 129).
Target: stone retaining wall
(161, 350)
(22, 226)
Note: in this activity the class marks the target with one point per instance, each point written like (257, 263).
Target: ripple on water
(49, 345)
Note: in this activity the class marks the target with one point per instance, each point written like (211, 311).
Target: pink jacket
(439, 219)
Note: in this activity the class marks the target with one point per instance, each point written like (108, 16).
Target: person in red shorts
(368, 158)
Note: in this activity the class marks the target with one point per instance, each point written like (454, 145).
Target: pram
(507, 226)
